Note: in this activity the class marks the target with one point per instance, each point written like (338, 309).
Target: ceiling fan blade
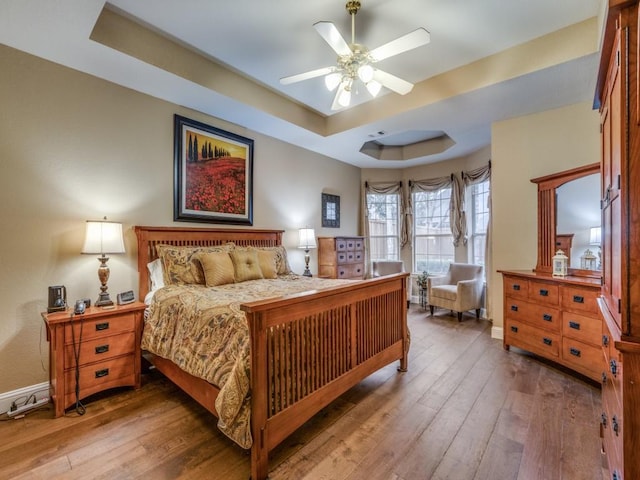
(331, 35)
(407, 42)
(392, 82)
(307, 75)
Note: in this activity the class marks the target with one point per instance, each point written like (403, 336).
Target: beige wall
(524, 148)
(74, 147)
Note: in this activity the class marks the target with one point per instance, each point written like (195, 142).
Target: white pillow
(155, 274)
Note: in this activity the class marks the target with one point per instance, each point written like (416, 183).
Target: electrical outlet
(25, 408)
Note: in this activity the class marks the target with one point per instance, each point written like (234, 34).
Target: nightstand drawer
(355, 270)
(99, 327)
(100, 349)
(102, 375)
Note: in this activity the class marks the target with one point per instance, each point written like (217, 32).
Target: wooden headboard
(149, 237)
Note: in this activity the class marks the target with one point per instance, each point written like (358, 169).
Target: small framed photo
(213, 174)
(330, 210)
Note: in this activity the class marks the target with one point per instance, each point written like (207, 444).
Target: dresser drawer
(536, 340)
(98, 376)
(100, 327)
(578, 299)
(516, 288)
(99, 349)
(355, 270)
(583, 357)
(544, 293)
(581, 327)
(540, 316)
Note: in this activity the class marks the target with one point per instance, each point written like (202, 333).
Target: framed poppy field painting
(213, 174)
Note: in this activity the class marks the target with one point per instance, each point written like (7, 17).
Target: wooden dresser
(341, 257)
(556, 318)
(617, 96)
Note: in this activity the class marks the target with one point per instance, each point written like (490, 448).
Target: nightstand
(107, 344)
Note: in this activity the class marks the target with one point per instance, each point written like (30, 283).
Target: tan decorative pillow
(217, 267)
(267, 261)
(282, 263)
(245, 265)
(181, 266)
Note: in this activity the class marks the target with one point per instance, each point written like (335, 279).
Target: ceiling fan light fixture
(344, 99)
(332, 81)
(365, 73)
(373, 88)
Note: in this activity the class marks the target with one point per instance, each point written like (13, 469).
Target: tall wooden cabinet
(617, 98)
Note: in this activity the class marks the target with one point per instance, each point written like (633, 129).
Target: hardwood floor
(466, 409)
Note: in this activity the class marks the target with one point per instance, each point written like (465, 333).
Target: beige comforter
(203, 331)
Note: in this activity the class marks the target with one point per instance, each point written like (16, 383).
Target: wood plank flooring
(466, 409)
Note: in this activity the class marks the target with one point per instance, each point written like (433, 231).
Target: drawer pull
(574, 351)
(514, 329)
(547, 341)
(102, 349)
(514, 308)
(544, 292)
(603, 419)
(102, 373)
(574, 325)
(547, 317)
(102, 326)
(605, 340)
(604, 378)
(613, 366)
(578, 298)
(615, 476)
(516, 286)
(615, 425)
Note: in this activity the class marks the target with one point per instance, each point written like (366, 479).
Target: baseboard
(40, 390)
(497, 332)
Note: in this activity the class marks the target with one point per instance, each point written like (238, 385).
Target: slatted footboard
(308, 349)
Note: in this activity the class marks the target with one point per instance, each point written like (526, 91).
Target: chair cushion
(449, 292)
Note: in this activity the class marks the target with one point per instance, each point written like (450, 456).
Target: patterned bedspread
(203, 331)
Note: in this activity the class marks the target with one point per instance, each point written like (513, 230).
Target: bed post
(258, 385)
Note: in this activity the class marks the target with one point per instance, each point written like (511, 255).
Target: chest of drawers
(341, 257)
(555, 318)
(92, 352)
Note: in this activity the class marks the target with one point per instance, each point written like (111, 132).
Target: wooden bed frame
(306, 349)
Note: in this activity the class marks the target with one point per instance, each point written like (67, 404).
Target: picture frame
(330, 210)
(213, 174)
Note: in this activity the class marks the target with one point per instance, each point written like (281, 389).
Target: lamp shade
(595, 236)
(103, 237)
(306, 238)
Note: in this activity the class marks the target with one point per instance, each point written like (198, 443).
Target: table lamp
(306, 241)
(102, 237)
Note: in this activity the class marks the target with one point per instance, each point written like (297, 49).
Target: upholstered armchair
(380, 268)
(461, 289)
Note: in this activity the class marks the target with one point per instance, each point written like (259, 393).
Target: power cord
(80, 408)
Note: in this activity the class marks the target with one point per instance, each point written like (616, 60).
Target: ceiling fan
(355, 61)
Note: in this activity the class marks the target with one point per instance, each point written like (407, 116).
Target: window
(384, 226)
(479, 194)
(433, 249)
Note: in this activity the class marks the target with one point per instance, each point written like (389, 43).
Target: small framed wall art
(213, 176)
(330, 210)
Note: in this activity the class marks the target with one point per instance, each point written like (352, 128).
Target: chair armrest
(470, 288)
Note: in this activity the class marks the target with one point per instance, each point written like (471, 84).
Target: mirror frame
(547, 210)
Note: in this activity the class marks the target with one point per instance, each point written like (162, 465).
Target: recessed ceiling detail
(408, 145)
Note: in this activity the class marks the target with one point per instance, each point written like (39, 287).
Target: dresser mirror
(568, 209)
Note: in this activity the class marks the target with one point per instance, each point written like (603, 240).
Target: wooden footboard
(306, 349)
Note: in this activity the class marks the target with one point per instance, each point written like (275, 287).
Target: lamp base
(307, 272)
(104, 300)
